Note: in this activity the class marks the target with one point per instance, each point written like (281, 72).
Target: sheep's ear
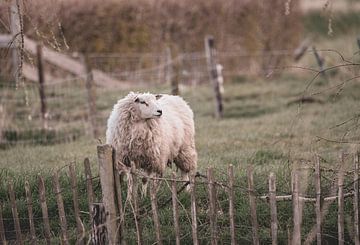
(158, 96)
(137, 100)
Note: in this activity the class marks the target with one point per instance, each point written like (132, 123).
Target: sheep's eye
(143, 102)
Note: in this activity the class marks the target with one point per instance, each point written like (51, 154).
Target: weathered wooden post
(41, 85)
(193, 210)
(91, 95)
(135, 203)
(320, 60)
(356, 198)
(296, 237)
(2, 229)
(319, 201)
(252, 204)
(44, 210)
(172, 72)
(210, 53)
(154, 207)
(29, 204)
(15, 214)
(273, 208)
(212, 206)
(231, 203)
(341, 202)
(61, 209)
(106, 173)
(79, 226)
(15, 30)
(175, 209)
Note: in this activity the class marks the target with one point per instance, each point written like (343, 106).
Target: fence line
(142, 213)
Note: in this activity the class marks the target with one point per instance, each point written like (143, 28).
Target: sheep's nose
(159, 111)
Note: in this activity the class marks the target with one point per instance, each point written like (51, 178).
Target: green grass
(260, 127)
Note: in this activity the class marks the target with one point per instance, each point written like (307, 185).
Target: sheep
(153, 131)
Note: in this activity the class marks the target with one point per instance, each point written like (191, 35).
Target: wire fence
(231, 207)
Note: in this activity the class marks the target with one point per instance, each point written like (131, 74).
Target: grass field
(262, 123)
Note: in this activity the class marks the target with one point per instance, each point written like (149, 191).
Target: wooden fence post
(318, 203)
(231, 203)
(252, 203)
(356, 199)
(41, 78)
(134, 197)
(2, 229)
(89, 183)
(212, 206)
(119, 203)
(79, 226)
(60, 204)
(341, 202)
(91, 95)
(98, 224)
(15, 29)
(44, 210)
(172, 72)
(273, 209)
(175, 209)
(108, 192)
(29, 204)
(41, 85)
(193, 210)
(15, 213)
(320, 60)
(296, 237)
(154, 207)
(210, 53)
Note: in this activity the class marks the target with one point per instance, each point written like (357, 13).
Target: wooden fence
(121, 215)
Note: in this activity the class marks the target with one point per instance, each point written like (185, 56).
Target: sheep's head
(148, 106)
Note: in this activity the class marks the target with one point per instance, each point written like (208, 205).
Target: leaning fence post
(119, 203)
(273, 209)
(134, 197)
(91, 95)
(175, 209)
(89, 183)
(29, 204)
(252, 203)
(210, 53)
(15, 213)
(193, 210)
(40, 65)
(44, 210)
(320, 60)
(356, 198)
(79, 226)
(15, 29)
(154, 207)
(296, 237)
(108, 192)
(2, 229)
(318, 203)
(341, 203)
(172, 73)
(231, 203)
(60, 204)
(212, 206)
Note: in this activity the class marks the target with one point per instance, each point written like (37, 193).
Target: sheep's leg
(186, 161)
(144, 187)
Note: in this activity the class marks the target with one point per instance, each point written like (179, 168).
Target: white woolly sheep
(153, 131)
